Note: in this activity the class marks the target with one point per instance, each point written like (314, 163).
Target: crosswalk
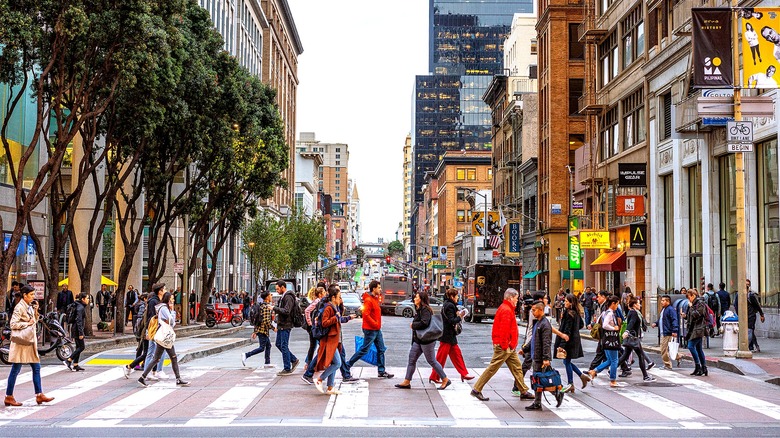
(246, 397)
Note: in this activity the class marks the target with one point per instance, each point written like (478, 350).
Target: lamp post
(252, 267)
(484, 218)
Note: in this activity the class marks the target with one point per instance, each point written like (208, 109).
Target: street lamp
(484, 219)
(252, 267)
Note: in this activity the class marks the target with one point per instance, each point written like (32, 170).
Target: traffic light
(387, 259)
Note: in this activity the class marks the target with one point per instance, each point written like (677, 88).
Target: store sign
(514, 239)
(638, 235)
(632, 175)
(555, 209)
(574, 225)
(575, 261)
(577, 209)
(633, 205)
(591, 239)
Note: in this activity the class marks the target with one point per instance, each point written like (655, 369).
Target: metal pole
(739, 163)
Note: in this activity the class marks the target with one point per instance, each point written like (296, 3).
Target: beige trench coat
(19, 320)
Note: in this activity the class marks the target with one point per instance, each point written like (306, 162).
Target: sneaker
(126, 371)
(350, 379)
(625, 374)
(68, 364)
(517, 393)
(243, 359)
(268, 365)
(650, 365)
(284, 373)
(333, 392)
(649, 379)
(318, 385)
(161, 375)
(385, 375)
(567, 388)
(78, 368)
(153, 377)
(138, 368)
(142, 382)
(307, 379)
(180, 382)
(294, 365)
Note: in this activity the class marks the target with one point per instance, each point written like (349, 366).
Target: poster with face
(760, 46)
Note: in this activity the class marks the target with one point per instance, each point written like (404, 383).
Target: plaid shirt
(266, 315)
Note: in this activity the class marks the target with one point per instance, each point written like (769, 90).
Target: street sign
(555, 209)
(739, 132)
(178, 267)
(740, 147)
(437, 266)
(562, 258)
(715, 121)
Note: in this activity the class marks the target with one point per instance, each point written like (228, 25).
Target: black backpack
(296, 315)
(71, 312)
(713, 301)
(317, 330)
(255, 315)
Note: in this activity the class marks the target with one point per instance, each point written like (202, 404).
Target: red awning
(610, 262)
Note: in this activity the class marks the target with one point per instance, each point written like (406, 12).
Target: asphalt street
(228, 399)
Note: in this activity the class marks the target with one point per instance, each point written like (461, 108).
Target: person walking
(541, 353)
(754, 309)
(158, 291)
(570, 342)
(422, 319)
(328, 356)
(668, 327)
(103, 297)
(448, 343)
(505, 338)
(609, 342)
(588, 298)
(139, 330)
(284, 327)
(64, 298)
(696, 320)
(165, 315)
(77, 332)
(725, 299)
(525, 349)
(632, 337)
(261, 317)
(314, 296)
(24, 322)
(372, 330)
(130, 298)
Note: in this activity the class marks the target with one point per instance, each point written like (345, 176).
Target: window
(605, 4)
(460, 174)
(461, 195)
(608, 58)
(471, 174)
(575, 92)
(728, 222)
(665, 118)
(576, 48)
(533, 46)
(490, 174)
(461, 215)
(633, 28)
(669, 199)
(633, 119)
(338, 156)
(533, 71)
(338, 149)
(609, 134)
(696, 267)
(338, 163)
(769, 224)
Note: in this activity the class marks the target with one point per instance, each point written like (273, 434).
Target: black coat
(542, 341)
(570, 325)
(449, 316)
(422, 319)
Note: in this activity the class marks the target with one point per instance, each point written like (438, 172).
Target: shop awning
(578, 275)
(532, 274)
(610, 262)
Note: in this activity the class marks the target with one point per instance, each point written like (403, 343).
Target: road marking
(578, 415)
(351, 404)
(98, 361)
(467, 410)
(668, 408)
(132, 404)
(231, 404)
(27, 377)
(754, 404)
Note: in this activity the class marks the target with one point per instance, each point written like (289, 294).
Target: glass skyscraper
(465, 51)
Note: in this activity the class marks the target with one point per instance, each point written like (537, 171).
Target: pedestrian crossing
(247, 397)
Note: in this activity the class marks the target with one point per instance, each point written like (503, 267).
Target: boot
(41, 398)
(697, 371)
(11, 401)
(703, 370)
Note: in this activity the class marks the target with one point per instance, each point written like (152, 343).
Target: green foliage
(395, 247)
(359, 253)
(265, 245)
(306, 238)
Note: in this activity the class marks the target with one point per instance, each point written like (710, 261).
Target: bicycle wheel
(236, 321)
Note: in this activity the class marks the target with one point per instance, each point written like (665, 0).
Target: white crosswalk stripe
(27, 377)
(668, 408)
(465, 409)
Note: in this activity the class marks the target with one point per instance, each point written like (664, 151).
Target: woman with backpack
(696, 321)
(632, 337)
(315, 296)
(571, 324)
(422, 319)
(328, 356)
(165, 315)
(610, 341)
(261, 318)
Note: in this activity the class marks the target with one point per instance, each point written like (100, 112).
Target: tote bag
(433, 331)
(25, 336)
(165, 336)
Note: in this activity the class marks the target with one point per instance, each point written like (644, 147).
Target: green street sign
(439, 266)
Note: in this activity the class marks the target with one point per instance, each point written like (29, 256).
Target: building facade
(406, 232)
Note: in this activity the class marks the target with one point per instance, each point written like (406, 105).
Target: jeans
(371, 337)
(312, 361)
(312, 348)
(150, 351)
(429, 350)
(753, 342)
(588, 316)
(283, 344)
(694, 346)
(611, 361)
(330, 371)
(345, 373)
(16, 368)
(158, 352)
(571, 369)
(265, 345)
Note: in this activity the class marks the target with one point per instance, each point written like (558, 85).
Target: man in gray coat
(541, 351)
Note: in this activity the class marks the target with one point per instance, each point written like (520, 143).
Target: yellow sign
(478, 223)
(591, 239)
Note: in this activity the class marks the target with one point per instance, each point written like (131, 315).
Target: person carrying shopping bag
(422, 322)
(166, 319)
(570, 345)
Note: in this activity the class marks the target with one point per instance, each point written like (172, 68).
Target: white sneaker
(126, 371)
(161, 375)
(152, 377)
(318, 384)
(333, 392)
(243, 359)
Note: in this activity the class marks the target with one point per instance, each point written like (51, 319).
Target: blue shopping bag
(372, 356)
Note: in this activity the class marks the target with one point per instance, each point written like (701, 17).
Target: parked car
(406, 307)
(352, 305)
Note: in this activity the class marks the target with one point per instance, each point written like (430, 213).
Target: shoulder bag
(165, 336)
(25, 336)
(433, 331)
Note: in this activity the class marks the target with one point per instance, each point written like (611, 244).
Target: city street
(228, 399)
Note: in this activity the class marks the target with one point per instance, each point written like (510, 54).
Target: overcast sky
(356, 86)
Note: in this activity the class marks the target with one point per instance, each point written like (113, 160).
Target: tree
(269, 251)
(395, 248)
(306, 238)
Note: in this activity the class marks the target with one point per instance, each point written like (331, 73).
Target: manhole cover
(657, 384)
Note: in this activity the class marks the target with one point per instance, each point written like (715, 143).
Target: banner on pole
(712, 61)
(760, 46)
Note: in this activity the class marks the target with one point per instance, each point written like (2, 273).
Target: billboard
(760, 46)
(513, 242)
(633, 205)
(712, 56)
(478, 223)
(592, 239)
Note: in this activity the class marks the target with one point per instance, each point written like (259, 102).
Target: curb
(125, 340)
(214, 350)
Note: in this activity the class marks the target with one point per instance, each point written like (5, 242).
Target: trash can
(730, 329)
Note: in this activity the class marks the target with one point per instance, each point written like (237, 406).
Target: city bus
(395, 288)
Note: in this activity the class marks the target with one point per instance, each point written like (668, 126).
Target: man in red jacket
(372, 329)
(504, 343)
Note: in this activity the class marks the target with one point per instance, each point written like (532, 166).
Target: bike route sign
(739, 136)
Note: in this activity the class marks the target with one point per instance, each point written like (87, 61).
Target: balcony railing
(523, 85)
(591, 103)
(589, 30)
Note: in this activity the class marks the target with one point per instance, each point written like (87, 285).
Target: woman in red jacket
(328, 357)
